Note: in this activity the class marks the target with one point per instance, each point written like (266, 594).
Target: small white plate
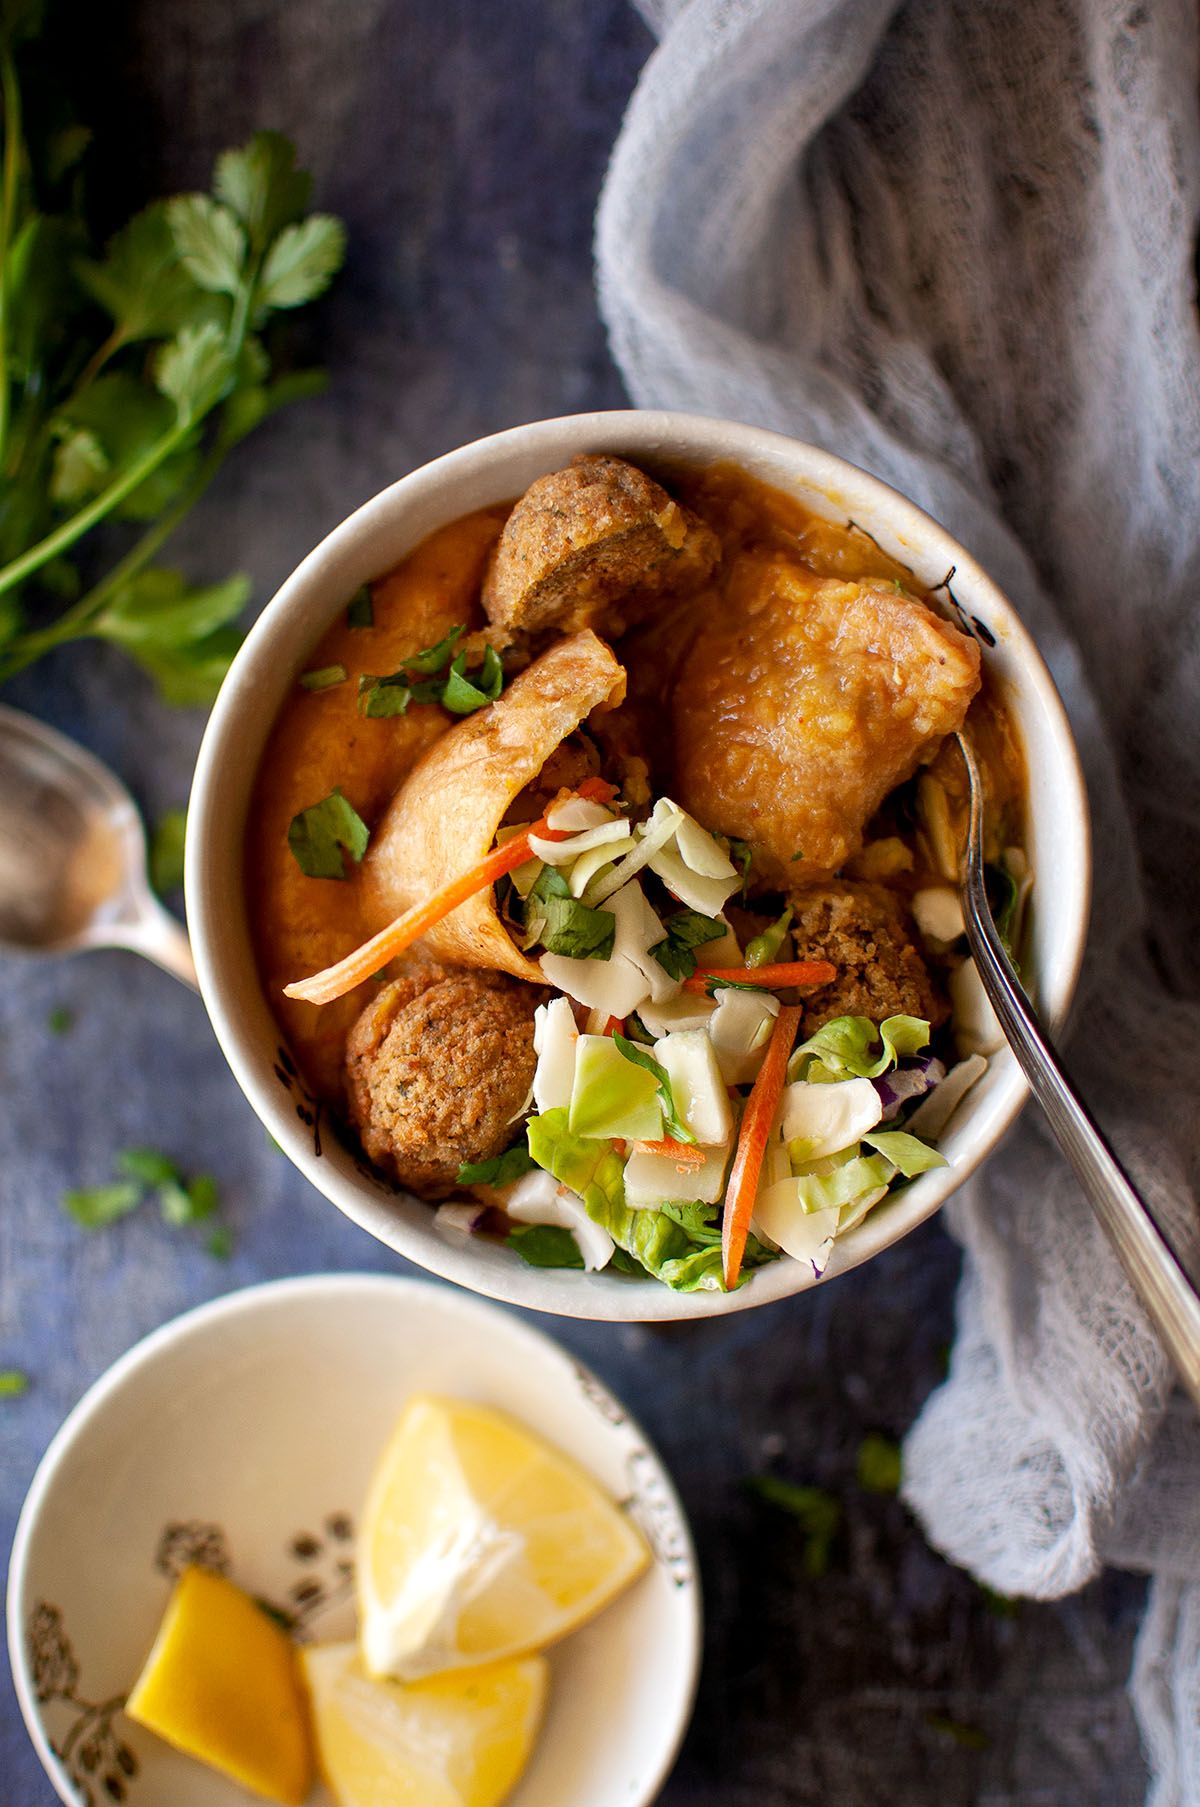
(244, 1434)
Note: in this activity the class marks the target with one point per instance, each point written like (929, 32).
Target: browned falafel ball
(866, 932)
(438, 1067)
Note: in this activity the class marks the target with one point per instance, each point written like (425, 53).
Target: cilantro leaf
(95, 1206)
(159, 607)
(219, 1242)
(562, 924)
(434, 675)
(260, 184)
(324, 677)
(210, 242)
(319, 834)
(501, 1170)
(143, 284)
(148, 1166)
(545, 1245)
(302, 261)
(194, 369)
(60, 1020)
(434, 658)
(188, 1203)
(462, 695)
(686, 929)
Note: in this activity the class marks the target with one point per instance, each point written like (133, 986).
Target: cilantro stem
(74, 624)
(12, 155)
(80, 523)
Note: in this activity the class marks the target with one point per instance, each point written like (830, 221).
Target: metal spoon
(1154, 1269)
(73, 855)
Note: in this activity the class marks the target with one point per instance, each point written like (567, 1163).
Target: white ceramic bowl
(248, 1429)
(371, 542)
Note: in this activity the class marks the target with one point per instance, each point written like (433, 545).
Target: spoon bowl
(73, 855)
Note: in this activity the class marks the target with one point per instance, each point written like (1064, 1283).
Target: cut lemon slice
(449, 1741)
(222, 1684)
(478, 1541)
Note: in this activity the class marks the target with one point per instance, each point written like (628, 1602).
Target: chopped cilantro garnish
(59, 1020)
(12, 1383)
(686, 929)
(95, 1206)
(148, 1166)
(545, 1245)
(562, 924)
(435, 675)
(361, 611)
(501, 1170)
(318, 836)
(147, 1172)
(324, 677)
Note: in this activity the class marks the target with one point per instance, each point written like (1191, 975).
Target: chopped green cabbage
(687, 1259)
(845, 1047)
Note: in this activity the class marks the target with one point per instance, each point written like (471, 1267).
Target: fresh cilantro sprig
(127, 375)
(436, 675)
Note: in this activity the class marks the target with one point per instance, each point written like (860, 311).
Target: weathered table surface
(464, 146)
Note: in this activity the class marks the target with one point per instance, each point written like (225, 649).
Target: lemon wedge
(221, 1683)
(458, 1740)
(478, 1541)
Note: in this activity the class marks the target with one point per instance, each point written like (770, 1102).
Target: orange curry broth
(320, 741)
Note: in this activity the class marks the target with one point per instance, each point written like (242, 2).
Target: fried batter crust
(438, 1066)
(869, 936)
(803, 701)
(593, 545)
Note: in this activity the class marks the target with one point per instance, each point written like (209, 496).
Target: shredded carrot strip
(335, 981)
(757, 1119)
(684, 1154)
(771, 978)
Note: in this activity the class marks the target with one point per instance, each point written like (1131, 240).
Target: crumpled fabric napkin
(954, 244)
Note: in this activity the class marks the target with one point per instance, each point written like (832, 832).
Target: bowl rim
(493, 468)
(204, 1319)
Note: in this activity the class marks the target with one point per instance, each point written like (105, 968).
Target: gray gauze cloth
(953, 243)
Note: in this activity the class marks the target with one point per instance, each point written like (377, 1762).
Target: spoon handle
(154, 933)
(1154, 1269)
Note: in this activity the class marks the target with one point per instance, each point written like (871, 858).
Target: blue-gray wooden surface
(464, 145)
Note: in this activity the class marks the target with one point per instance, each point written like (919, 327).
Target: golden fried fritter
(866, 932)
(803, 701)
(592, 546)
(438, 1067)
